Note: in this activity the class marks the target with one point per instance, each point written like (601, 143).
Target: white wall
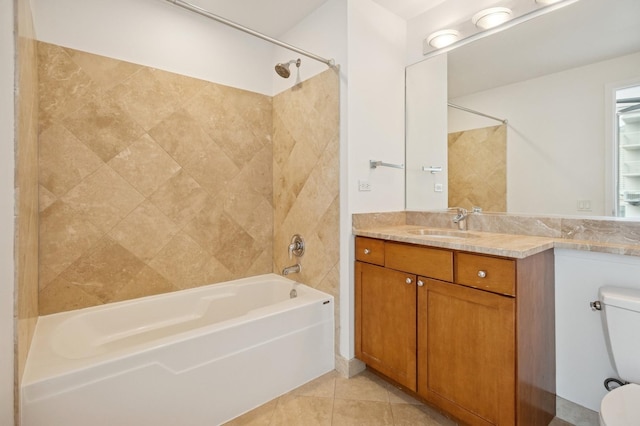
(7, 63)
(426, 129)
(556, 136)
(158, 34)
(376, 105)
(375, 120)
(582, 361)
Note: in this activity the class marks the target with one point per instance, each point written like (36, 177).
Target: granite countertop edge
(496, 244)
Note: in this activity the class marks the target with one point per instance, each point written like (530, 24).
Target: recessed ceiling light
(443, 38)
(492, 17)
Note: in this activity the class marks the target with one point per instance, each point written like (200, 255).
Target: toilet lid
(621, 406)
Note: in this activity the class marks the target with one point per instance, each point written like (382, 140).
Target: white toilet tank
(621, 308)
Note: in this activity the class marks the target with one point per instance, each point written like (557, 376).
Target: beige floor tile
(324, 387)
(302, 410)
(369, 413)
(559, 422)
(363, 387)
(408, 415)
(314, 404)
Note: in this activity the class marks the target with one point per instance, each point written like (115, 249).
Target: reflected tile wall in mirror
(477, 161)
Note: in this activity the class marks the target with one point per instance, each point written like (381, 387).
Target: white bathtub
(195, 357)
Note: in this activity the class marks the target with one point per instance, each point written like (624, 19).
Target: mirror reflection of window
(628, 131)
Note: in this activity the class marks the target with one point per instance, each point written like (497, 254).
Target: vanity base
(479, 345)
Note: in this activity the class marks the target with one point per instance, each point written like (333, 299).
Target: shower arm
(206, 13)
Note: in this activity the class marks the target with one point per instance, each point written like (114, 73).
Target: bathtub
(194, 357)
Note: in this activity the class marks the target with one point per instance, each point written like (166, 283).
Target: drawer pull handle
(482, 274)
(367, 251)
(420, 283)
(408, 281)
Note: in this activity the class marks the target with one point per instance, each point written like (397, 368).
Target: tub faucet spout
(293, 269)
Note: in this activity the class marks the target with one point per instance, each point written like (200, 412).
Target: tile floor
(333, 400)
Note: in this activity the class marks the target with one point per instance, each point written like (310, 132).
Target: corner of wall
(349, 367)
(26, 181)
(7, 277)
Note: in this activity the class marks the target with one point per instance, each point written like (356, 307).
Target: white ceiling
(271, 17)
(408, 9)
(274, 17)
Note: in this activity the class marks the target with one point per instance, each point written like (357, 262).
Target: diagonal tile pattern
(478, 168)
(332, 400)
(152, 181)
(135, 180)
(306, 179)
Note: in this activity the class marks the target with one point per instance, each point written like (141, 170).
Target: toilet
(621, 316)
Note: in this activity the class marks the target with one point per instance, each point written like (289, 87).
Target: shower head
(283, 69)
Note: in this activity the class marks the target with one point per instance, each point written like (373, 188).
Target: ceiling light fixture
(443, 38)
(492, 17)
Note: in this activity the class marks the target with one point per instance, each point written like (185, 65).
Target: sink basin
(442, 233)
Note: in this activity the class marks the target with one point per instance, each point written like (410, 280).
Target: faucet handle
(296, 247)
(459, 210)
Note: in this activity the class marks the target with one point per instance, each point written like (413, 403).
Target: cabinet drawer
(425, 261)
(486, 273)
(370, 250)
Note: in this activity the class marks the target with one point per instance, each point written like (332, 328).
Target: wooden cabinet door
(466, 361)
(386, 322)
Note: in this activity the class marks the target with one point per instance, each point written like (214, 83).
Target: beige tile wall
(306, 179)
(149, 181)
(478, 168)
(26, 187)
(152, 182)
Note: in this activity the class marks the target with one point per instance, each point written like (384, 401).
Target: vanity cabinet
(386, 277)
(387, 312)
(471, 334)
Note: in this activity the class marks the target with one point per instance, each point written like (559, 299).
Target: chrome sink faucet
(460, 218)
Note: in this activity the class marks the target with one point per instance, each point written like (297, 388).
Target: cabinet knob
(482, 274)
(408, 281)
(420, 283)
(367, 251)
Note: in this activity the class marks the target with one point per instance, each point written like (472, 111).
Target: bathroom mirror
(553, 78)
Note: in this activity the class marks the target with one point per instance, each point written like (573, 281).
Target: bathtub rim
(42, 352)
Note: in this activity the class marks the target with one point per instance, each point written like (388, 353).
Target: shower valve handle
(296, 247)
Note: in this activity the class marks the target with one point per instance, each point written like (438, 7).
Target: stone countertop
(497, 244)
(597, 246)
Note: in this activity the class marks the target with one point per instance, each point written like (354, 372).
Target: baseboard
(576, 414)
(349, 367)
